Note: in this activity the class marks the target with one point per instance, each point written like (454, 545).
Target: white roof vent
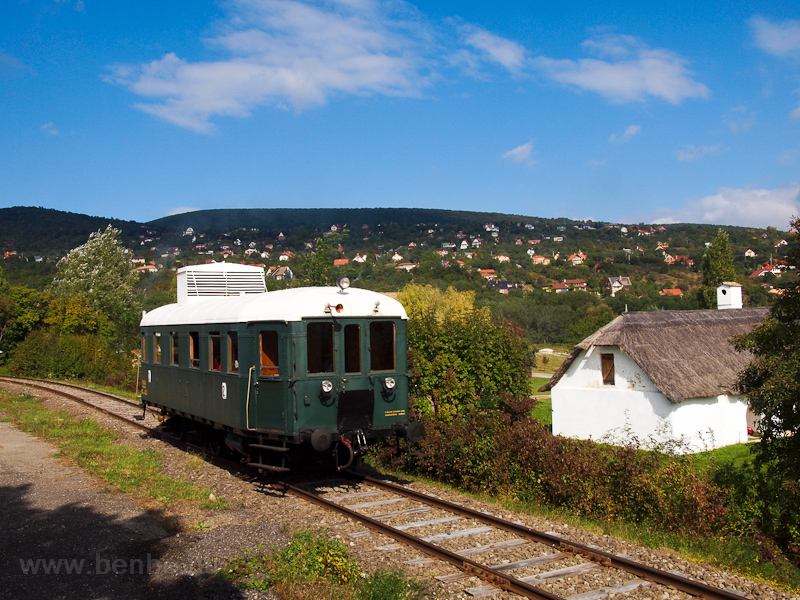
(729, 295)
(218, 280)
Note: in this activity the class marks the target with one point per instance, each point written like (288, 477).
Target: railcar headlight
(327, 387)
(343, 283)
(389, 383)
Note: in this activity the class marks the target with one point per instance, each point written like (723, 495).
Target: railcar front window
(352, 349)
(158, 348)
(269, 353)
(381, 346)
(175, 353)
(320, 347)
(194, 349)
(216, 351)
(233, 352)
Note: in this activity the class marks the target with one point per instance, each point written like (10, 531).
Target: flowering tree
(100, 272)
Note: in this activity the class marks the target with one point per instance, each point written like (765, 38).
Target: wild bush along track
(536, 555)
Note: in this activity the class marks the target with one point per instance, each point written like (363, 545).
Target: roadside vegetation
(97, 451)
(314, 565)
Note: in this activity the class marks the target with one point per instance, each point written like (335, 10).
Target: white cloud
(630, 71)
(744, 207)
(520, 155)
(180, 210)
(49, 128)
(630, 132)
(795, 114)
(287, 54)
(739, 119)
(697, 152)
(597, 163)
(509, 54)
(778, 39)
(787, 157)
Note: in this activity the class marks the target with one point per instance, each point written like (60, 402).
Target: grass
(739, 455)
(97, 451)
(316, 566)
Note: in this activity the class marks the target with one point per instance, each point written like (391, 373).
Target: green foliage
(522, 460)
(717, 266)
(315, 566)
(771, 384)
(317, 269)
(46, 353)
(463, 359)
(100, 271)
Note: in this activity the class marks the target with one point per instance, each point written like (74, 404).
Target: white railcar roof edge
(292, 304)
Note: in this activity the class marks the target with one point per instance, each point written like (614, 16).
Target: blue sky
(626, 112)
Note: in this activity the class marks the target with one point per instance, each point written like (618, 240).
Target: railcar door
(271, 387)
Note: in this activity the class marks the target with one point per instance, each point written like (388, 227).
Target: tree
(717, 266)
(317, 269)
(772, 380)
(100, 271)
(772, 385)
(464, 360)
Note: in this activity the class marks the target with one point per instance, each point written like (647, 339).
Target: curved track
(541, 559)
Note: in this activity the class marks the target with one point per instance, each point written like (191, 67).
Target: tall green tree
(772, 385)
(772, 380)
(717, 266)
(101, 272)
(463, 359)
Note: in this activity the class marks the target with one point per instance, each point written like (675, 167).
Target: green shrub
(519, 458)
(45, 353)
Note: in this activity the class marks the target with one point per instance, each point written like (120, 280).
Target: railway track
(517, 559)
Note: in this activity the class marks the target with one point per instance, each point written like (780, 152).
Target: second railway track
(506, 555)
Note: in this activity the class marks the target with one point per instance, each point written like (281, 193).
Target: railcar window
(320, 347)
(233, 352)
(158, 348)
(175, 354)
(216, 351)
(269, 352)
(194, 350)
(145, 355)
(352, 349)
(381, 346)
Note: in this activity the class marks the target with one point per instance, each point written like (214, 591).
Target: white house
(657, 375)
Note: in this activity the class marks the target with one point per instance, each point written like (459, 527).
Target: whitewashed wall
(585, 408)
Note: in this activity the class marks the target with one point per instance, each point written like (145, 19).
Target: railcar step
(272, 448)
(270, 468)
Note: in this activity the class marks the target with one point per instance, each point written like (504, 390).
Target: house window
(269, 352)
(216, 351)
(233, 352)
(607, 364)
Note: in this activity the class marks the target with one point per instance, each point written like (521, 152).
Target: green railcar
(267, 375)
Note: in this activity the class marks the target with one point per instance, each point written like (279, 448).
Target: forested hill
(209, 221)
(50, 232)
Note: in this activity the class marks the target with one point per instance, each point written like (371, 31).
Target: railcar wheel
(180, 426)
(214, 443)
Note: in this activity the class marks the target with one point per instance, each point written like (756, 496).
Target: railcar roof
(285, 305)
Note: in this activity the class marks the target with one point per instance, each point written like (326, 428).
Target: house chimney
(729, 295)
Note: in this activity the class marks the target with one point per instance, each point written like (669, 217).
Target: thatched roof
(686, 353)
